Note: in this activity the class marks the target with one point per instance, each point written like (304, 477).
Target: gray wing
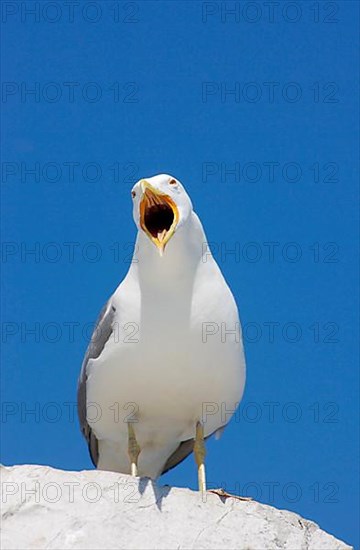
(101, 334)
(184, 449)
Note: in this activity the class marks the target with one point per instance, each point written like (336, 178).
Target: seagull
(165, 367)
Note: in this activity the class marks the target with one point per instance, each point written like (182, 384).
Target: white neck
(167, 282)
(179, 262)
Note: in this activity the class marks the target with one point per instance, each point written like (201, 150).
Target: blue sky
(255, 112)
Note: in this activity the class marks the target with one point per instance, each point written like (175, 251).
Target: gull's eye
(172, 181)
(133, 194)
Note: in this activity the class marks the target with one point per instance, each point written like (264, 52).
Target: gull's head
(161, 207)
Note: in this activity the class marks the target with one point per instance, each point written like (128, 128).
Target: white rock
(55, 509)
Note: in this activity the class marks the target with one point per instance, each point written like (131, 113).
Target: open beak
(158, 215)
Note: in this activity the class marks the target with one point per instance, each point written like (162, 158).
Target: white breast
(162, 368)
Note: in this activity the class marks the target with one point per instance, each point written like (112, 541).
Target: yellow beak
(159, 215)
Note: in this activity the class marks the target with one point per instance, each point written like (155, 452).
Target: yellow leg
(199, 451)
(133, 450)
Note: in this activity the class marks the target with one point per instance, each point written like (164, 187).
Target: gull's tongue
(161, 235)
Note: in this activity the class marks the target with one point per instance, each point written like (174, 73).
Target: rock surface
(47, 508)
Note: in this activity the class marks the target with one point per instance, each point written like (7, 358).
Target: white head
(161, 207)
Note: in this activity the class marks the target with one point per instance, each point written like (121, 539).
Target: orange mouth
(158, 216)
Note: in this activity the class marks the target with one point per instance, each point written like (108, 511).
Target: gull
(165, 367)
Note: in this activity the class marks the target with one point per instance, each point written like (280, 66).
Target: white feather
(157, 365)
